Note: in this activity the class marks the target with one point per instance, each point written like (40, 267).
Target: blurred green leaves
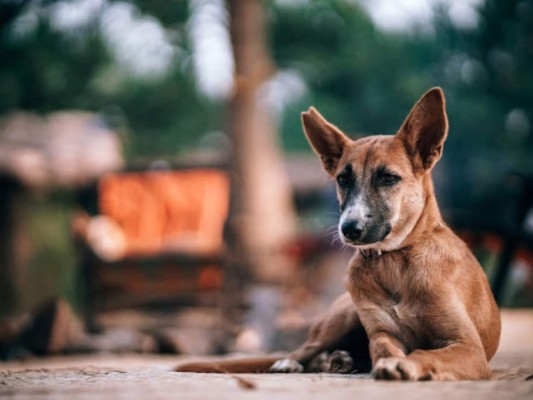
(44, 68)
(363, 79)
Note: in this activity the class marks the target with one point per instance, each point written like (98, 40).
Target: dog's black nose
(352, 230)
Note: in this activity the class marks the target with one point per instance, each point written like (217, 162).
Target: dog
(418, 304)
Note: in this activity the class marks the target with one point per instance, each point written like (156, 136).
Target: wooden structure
(154, 237)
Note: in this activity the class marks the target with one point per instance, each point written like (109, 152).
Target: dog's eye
(388, 179)
(343, 180)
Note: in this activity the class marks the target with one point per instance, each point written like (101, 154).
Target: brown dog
(418, 306)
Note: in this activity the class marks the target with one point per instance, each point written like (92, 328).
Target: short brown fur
(418, 302)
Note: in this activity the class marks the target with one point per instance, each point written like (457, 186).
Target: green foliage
(357, 76)
(172, 14)
(162, 117)
(497, 63)
(363, 79)
(47, 70)
(43, 69)
(491, 107)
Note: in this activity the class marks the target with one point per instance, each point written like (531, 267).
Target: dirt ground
(127, 377)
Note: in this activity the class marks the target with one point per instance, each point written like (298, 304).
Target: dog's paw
(339, 362)
(393, 368)
(286, 365)
(319, 364)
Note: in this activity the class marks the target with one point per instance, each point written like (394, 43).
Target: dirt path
(151, 377)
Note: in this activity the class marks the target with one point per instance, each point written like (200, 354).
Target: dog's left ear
(425, 129)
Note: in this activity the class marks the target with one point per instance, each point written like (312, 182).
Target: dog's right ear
(326, 139)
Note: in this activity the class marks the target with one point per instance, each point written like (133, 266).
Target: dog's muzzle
(355, 232)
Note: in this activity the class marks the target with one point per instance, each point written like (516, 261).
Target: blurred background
(157, 193)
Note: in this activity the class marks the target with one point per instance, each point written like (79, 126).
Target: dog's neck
(370, 253)
(430, 218)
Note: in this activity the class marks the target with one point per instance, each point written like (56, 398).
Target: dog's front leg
(464, 361)
(462, 357)
(384, 347)
(458, 361)
(389, 360)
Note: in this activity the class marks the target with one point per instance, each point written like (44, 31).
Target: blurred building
(62, 150)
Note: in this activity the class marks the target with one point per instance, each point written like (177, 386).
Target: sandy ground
(128, 377)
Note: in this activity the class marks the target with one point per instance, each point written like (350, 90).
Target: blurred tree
(360, 77)
(264, 215)
(42, 69)
(357, 76)
(488, 77)
(45, 68)
(503, 45)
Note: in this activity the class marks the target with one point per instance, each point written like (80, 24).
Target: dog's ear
(326, 139)
(425, 129)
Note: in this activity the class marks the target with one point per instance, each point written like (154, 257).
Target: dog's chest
(381, 292)
(378, 278)
(402, 320)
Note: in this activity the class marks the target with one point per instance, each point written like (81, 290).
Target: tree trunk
(263, 209)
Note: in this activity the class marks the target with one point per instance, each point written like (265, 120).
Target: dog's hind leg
(337, 330)
(336, 362)
(337, 343)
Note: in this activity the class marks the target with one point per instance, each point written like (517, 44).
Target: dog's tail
(235, 366)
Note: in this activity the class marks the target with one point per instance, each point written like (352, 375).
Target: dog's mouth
(373, 235)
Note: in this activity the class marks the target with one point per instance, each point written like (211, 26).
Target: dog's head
(383, 182)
